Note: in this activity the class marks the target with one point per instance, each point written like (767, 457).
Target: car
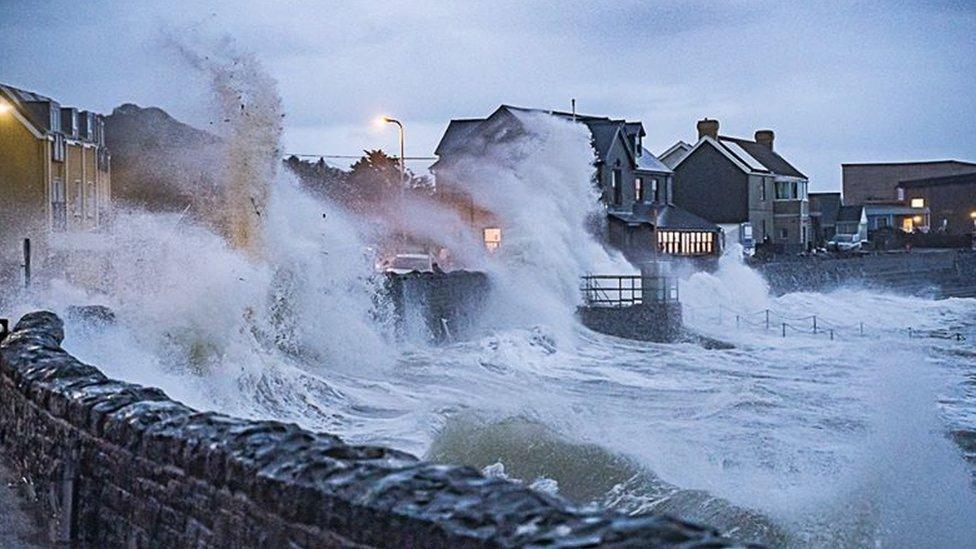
(408, 263)
(844, 242)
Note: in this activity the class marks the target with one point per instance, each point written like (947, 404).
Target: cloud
(838, 81)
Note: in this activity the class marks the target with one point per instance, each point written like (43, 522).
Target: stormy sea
(857, 435)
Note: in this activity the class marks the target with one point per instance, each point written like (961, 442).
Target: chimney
(765, 137)
(708, 127)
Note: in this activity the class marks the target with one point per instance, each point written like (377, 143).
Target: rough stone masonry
(116, 464)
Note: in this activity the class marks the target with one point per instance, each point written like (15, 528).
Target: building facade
(824, 208)
(746, 187)
(867, 183)
(54, 172)
(950, 201)
(635, 187)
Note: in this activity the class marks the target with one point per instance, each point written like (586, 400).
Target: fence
(768, 319)
(627, 290)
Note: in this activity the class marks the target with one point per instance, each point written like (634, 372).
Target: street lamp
(389, 120)
(4, 107)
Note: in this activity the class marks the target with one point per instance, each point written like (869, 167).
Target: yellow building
(54, 175)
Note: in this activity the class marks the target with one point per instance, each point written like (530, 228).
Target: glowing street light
(388, 120)
(4, 107)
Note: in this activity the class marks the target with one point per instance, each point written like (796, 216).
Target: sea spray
(539, 185)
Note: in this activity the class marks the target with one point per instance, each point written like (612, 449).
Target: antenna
(573, 103)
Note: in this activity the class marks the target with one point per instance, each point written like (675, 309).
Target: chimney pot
(765, 137)
(708, 127)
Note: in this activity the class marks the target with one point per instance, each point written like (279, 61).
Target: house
(852, 220)
(824, 208)
(54, 173)
(895, 215)
(746, 187)
(951, 201)
(877, 182)
(636, 188)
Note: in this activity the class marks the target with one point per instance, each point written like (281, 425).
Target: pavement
(18, 529)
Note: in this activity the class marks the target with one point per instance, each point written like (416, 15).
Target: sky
(837, 81)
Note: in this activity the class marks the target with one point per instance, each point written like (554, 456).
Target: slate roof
(767, 158)
(603, 129)
(849, 214)
(20, 98)
(665, 216)
(959, 179)
(649, 163)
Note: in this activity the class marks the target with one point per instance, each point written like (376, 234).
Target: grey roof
(603, 129)
(849, 214)
(958, 179)
(649, 163)
(665, 216)
(455, 133)
(769, 158)
(910, 163)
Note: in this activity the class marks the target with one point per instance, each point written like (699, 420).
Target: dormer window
(638, 147)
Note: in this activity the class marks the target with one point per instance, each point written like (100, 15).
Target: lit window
(493, 238)
(918, 202)
(615, 182)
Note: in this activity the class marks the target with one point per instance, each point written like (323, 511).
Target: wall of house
(617, 159)
(23, 211)
(952, 203)
(761, 207)
(878, 182)
(116, 464)
(793, 216)
(709, 185)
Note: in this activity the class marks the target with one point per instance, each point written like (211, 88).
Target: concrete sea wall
(942, 273)
(438, 306)
(117, 464)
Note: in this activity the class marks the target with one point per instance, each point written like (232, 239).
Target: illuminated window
(907, 225)
(615, 182)
(918, 202)
(493, 238)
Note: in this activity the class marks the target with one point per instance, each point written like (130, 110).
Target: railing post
(767, 319)
(737, 321)
(784, 329)
(814, 324)
(909, 332)
(862, 327)
(831, 334)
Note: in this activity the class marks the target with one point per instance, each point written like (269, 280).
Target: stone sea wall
(440, 307)
(116, 464)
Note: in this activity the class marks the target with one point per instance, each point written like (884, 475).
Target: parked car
(844, 242)
(408, 263)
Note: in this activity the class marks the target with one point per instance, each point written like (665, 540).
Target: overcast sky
(838, 82)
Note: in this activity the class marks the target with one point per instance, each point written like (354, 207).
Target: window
(763, 235)
(762, 189)
(637, 144)
(493, 238)
(784, 233)
(782, 190)
(685, 242)
(617, 190)
(59, 209)
(918, 202)
(901, 193)
(639, 189)
(91, 200)
(655, 192)
(880, 222)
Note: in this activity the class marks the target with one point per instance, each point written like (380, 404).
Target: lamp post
(403, 172)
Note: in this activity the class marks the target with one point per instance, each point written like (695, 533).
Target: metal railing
(768, 320)
(627, 290)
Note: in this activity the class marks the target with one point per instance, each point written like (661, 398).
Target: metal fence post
(909, 332)
(27, 262)
(767, 319)
(862, 327)
(784, 329)
(831, 334)
(736, 321)
(814, 324)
